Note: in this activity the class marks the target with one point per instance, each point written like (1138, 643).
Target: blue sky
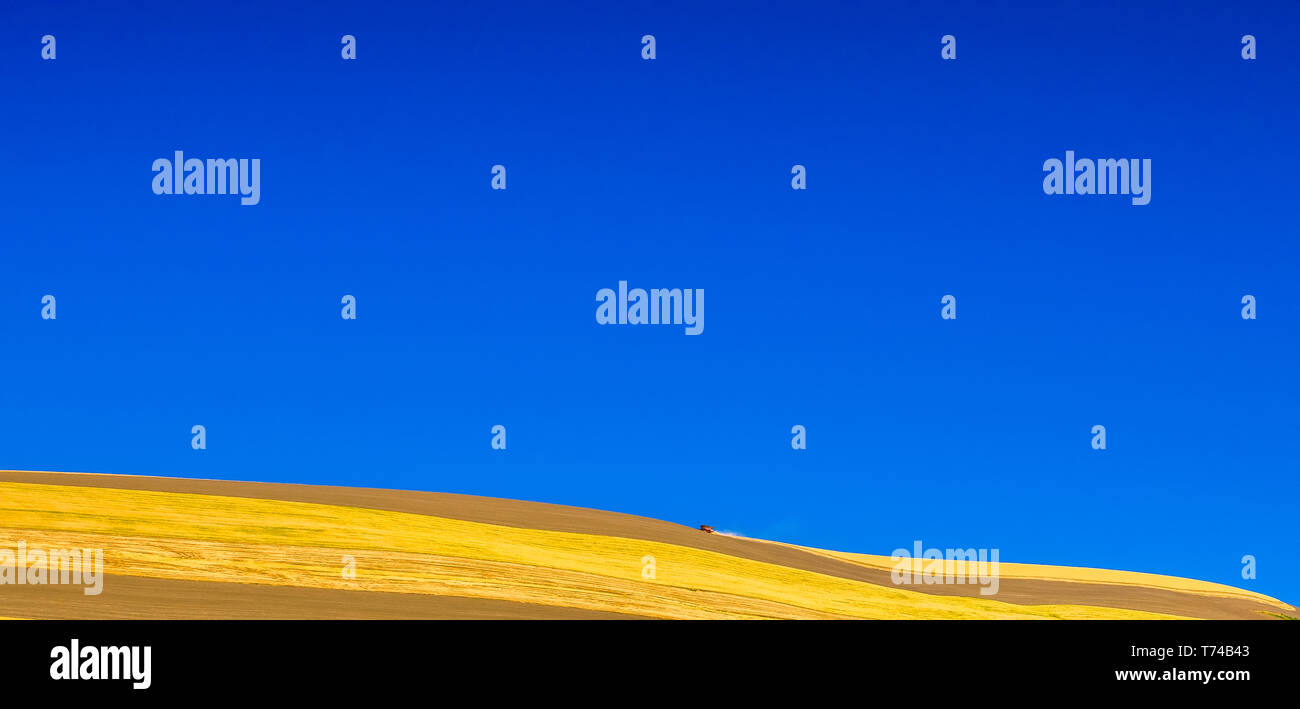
(476, 307)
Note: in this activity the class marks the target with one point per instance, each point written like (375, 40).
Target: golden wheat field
(176, 552)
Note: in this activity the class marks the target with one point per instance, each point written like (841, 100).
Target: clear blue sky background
(476, 307)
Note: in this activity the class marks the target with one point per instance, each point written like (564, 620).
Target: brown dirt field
(537, 515)
(136, 598)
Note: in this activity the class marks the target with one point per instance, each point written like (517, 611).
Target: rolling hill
(185, 548)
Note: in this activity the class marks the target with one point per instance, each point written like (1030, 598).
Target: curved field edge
(188, 536)
(566, 518)
(1077, 574)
